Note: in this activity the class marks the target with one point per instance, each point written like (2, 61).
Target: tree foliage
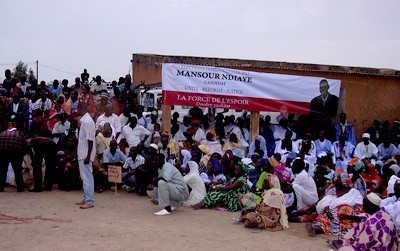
(31, 76)
(20, 69)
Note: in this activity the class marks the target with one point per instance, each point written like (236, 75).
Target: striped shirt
(131, 164)
(87, 132)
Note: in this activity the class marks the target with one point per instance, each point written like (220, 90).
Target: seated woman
(284, 176)
(251, 200)
(376, 230)
(270, 213)
(103, 140)
(186, 156)
(371, 177)
(193, 180)
(235, 145)
(226, 196)
(211, 142)
(258, 144)
(213, 175)
(203, 153)
(340, 199)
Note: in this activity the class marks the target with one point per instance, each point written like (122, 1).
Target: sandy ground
(127, 221)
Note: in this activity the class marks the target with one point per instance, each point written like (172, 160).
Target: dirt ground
(127, 221)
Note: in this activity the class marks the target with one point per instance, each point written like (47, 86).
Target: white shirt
(114, 121)
(135, 135)
(142, 121)
(365, 151)
(60, 128)
(304, 180)
(124, 119)
(23, 87)
(199, 135)
(15, 109)
(86, 132)
(96, 87)
(131, 164)
(47, 104)
(279, 132)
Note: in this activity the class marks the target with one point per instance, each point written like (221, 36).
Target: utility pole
(37, 72)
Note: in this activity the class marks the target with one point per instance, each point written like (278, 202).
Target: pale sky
(67, 36)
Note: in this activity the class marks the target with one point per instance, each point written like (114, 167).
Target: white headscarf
(101, 125)
(186, 157)
(274, 198)
(194, 168)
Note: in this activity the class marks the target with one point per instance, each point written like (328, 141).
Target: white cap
(154, 146)
(374, 198)
(366, 135)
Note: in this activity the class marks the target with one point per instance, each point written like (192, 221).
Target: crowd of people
(290, 172)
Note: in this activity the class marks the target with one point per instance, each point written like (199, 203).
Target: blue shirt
(109, 158)
(57, 91)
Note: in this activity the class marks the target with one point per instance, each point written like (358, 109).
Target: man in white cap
(171, 190)
(366, 149)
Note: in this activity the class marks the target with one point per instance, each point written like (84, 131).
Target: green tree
(20, 69)
(31, 76)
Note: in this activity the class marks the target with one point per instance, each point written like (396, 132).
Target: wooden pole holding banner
(166, 118)
(254, 125)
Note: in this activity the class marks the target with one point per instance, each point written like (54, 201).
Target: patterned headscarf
(212, 132)
(344, 178)
(282, 174)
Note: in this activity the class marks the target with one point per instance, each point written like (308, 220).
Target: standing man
(23, 85)
(98, 87)
(9, 82)
(85, 76)
(86, 153)
(12, 149)
(346, 128)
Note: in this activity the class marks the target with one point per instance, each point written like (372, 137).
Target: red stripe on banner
(233, 102)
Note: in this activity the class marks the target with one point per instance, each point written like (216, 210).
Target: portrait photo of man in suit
(325, 104)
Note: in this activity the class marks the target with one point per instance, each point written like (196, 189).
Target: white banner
(207, 86)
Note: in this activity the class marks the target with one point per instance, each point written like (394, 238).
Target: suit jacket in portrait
(329, 109)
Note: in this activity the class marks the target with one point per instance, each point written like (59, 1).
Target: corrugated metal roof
(244, 63)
